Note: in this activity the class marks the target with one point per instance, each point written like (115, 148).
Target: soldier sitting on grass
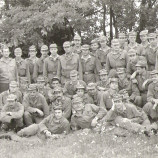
(12, 114)
(51, 126)
(85, 115)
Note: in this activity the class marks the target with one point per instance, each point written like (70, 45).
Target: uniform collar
(5, 61)
(53, 58)
(86, 58)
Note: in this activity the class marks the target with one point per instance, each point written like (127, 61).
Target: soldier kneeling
(12, 114)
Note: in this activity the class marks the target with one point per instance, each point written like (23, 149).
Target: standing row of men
(82, 88)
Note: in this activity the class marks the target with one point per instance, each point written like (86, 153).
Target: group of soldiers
(91, 86)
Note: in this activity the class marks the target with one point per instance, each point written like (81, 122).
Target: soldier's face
(58, 94)
(119, 106)
(74, 78)
(40, 84)
(94, 46)
(140, 70)
(122, 40)
(114, 85)
(92, 91)
(44, 53)
(103, 77)
(153, 43)
(132, 38)
(13, 89)
(24, 85)
(6, 52)
(33, 93)
(132, 57)
(103, 43)
(53, 51)
(58, 114)
(116, 46)
(77, 42)
(121, 76)
(80, 92)
(55, 84)
(18, 54)
(143, 38)
(32, 53)
(85, 52)
(67, 48)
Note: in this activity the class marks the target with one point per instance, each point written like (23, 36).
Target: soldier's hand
(40, 112)
(126, 120)
(94, 122)
(133, 75)
(48, 134)
(55, 136)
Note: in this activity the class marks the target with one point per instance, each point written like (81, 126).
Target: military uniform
(12, 114)
(127, 116)
(70, 86)
(66, 64)
(4, 95)
(31, 62)
(89, 112)
(49, 124)
(103, 85)
(123, 41)
(35, 109)
(116, 60)
(137, 85)
(8, 72)
(144, 46)
(90, 66)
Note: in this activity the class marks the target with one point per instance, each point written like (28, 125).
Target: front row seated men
(127, 116)
(50, 126)
(12, 114)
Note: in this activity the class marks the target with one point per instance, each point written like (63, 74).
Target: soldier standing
(51, 64)
(67, 62)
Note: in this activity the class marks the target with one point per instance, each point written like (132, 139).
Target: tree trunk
(104, 19)
(111, 25)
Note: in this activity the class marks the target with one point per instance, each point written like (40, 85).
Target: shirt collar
(54, 58)
(88, 57)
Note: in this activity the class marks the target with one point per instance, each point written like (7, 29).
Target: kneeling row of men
(35, 116)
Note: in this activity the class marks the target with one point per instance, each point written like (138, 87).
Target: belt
(86, 73)
(53, 72)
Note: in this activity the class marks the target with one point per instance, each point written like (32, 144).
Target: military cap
(141, 63)
(40, 78)
(24, 79)
(44, 47)
(12, 97)
(77, 100)
(154, 72)
(67, 43)
(80, 86)
(132, 33)
(32, 87)
(85, 46)
(102, 38)
(58, 107)
(18, 50)
(120, 70)
(53, 45)
(151, 35)
(77, 103)
(58, 89)
(122, 34)
(115, 41)
(144, 32)
(5, 47)
(91, 86)
(77, 37)
(73, 73)
(131, 52)
(55, 78)
(103, 72)
(94, 41)
(32, 47)
(117, 97)
(113, 80)
(13, 84)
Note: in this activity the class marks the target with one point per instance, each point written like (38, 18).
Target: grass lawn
(83, 145)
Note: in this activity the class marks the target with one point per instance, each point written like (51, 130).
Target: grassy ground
(83, 145)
